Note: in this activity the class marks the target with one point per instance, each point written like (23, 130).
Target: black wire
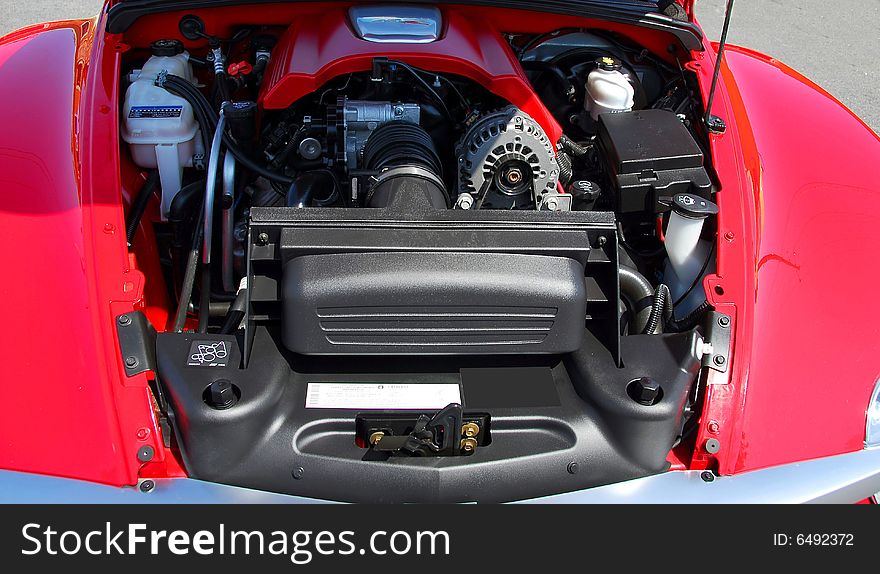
(204, 109)
(464, 101)
(189, 277)
(425, 85)
(140, 205)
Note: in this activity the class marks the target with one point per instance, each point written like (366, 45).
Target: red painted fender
(68, 409)
(797, 260)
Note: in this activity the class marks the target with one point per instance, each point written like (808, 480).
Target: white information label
(382, 396)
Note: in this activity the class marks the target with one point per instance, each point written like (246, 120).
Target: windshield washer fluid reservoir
(160, 127)
(608, 90)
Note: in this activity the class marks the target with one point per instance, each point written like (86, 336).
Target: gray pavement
(833, 43)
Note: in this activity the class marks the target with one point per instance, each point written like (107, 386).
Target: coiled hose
(639, 295)
(573, 148)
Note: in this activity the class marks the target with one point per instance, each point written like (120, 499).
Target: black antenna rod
(714, 123)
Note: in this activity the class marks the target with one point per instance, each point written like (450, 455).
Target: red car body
(799, 205)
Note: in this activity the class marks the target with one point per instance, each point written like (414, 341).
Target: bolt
(143, 434)
(298, 473)
(124, 320)
(719, 360)
(713, 427)
(263, 239)
(645, 391)
(707, 476)
(222, 394)
(730, 236)
(572, 468)
(376, 437)
(147, 486)
(131, 362)
(602, 241)
(724, 321)
(145, 453)
(514, 176)
(109, 228)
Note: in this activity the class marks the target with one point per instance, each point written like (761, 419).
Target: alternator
(506, 160)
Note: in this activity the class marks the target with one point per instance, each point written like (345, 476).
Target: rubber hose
(690, 320)
(572, 147)
(300, 192)
(658, 310)
(236, 313)
(203, 108)
(639, 294)
(566, 172)
(189, 277)
(205, 299)
(140, 205)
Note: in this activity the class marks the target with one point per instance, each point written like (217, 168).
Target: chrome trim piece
(841, 479)
(872, 424)
(397, 24)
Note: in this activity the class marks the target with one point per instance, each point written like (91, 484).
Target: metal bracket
(137, 343)
(718, 327)
(715, 124)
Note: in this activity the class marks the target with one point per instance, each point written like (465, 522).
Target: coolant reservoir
(688, 253)
(608, 90)
(160, 127)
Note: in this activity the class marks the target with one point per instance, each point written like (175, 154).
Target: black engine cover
(410, 279)
(433, 303)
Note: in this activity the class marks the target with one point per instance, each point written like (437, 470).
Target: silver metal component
(464, 201)
(872, 426)
(499, 140)
(841, 479)
(361, 118)
(228, 244)
(555, 202)
(310, 149)
(397, 24)
(219, 61)
(211, 186)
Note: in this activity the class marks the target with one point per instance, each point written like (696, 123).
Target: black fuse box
(650, 156)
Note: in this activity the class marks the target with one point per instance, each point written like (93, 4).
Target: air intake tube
(407, 167)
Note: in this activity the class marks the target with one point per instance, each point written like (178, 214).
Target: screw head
(124, 320)
(145, 453)
(719, 360)
(131, 362)
(298, 473)
(573, 468)
(713, 427)
(707, 476)
(724, 321)
(147, 486)
(263, 239)
(143, 434)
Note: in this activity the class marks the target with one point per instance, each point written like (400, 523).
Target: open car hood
(124, 12)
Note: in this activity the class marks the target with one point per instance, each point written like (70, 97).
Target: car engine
(392, 250)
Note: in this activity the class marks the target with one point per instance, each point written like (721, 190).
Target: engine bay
(412, 261)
